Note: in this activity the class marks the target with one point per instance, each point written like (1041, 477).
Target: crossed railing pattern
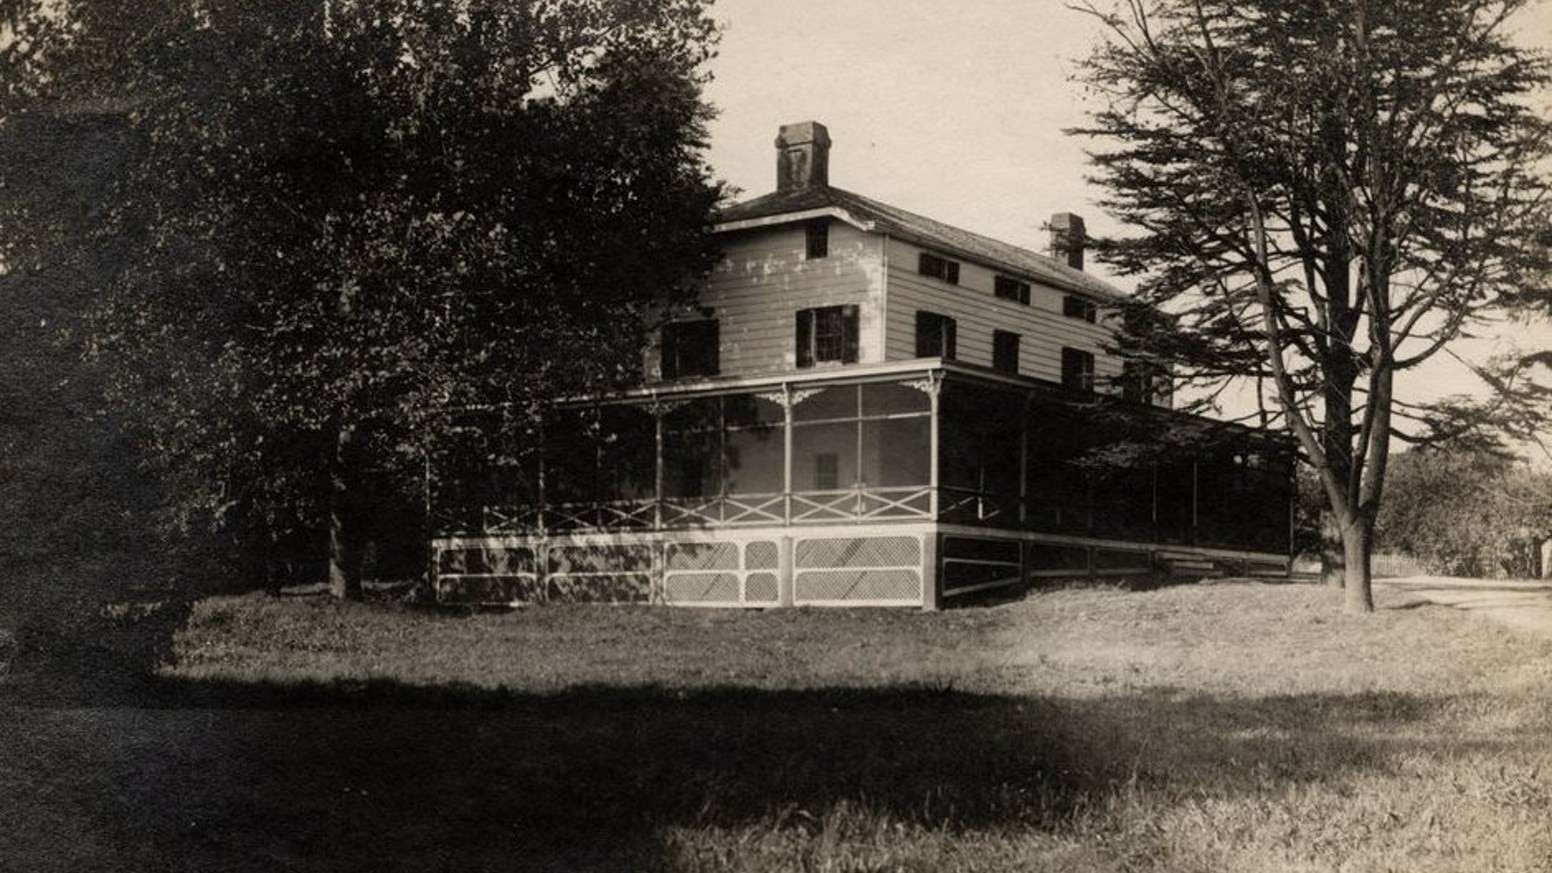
(725, 510)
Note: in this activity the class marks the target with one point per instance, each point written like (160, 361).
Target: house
(868, 407)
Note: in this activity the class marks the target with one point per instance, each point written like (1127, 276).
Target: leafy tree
(1466, 512)
(1327, 194)
(340, 219)
(72, 500)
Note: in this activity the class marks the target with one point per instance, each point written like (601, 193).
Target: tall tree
(340, 218)
(1327, 194)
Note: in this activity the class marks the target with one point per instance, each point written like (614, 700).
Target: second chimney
(1068, 239)
(802, 156)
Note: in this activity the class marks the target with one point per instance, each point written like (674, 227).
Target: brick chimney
(802, 156)
(1068, 239)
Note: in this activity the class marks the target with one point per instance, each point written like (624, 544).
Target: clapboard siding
(1044, 331)
(764, 279)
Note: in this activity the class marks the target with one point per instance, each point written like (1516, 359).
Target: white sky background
(954, 110)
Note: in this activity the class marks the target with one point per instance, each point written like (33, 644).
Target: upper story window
(816, 238)
(1145, 382)
(690, 348)
(935, 335)
(1077, 369)
(1005, 351)
(938, 268)
(1074, 306)
(1009, 288)
(828, 333)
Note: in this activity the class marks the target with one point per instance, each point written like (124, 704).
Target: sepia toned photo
(728, 435)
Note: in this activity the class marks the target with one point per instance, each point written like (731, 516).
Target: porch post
(1023, 483)
(1195, 475)
(786, 456)
(657, 465)
(543, 496)
(934, 388)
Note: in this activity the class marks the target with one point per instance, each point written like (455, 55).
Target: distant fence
(1381, 564)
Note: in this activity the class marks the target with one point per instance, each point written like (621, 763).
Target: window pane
(690, 349)
(571, 456)
(829, 334)
(889, 398)
(692, 464)
(811, 443)
(702, 414)
(743, 410)
(817, 238)
(897, 452)
(828, 403)
(627, 452)
(755, 460)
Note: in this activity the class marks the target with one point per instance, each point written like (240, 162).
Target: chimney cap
(803, 132)
(1069, 238)
(802, 156)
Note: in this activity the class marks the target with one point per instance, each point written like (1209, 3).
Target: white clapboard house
(867, 407)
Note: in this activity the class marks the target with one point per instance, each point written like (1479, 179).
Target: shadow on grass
(384, 776)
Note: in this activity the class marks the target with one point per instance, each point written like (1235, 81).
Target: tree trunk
(1333, 563)
(344, 541)
(1356, 541)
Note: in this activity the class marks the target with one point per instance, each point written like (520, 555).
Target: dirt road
(1523, 605)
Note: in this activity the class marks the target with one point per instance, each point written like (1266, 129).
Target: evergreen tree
(1326, 194)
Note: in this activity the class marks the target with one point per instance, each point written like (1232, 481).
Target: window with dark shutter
(1145, 382)
(816, 236)
(935, 335)
(1074, 306)
(1077, 369)
(690, 348)
(938, 268)
(828, 333)
(1005, 351)
(1009, 288)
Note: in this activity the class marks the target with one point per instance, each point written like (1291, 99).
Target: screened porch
(942, 445)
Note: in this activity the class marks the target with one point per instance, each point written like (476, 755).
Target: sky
(955, 110)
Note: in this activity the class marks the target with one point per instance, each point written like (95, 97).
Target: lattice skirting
(734, 569)
(881, 565)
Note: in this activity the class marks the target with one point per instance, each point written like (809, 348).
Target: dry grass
(1226, 727)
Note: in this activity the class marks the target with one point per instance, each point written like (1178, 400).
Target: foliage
(1467, 513)
(1326, 195)
(340, 219)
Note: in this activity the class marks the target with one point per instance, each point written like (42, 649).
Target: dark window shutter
(926, 327)
(953, 273)
(849, 335)
(713, 341)
(670, 351)
(805, 333)
(950, 338)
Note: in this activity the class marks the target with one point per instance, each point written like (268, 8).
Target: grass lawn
(1235, 727)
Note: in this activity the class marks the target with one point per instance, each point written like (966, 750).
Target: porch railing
(719, 510)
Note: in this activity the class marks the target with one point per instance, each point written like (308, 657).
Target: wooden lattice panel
(859, 586)
(851, 571)
(760, 588)
(852, 552)
(760, 556)
(701, 588)
(701, 556)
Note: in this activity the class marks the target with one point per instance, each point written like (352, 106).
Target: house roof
(872, 215)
